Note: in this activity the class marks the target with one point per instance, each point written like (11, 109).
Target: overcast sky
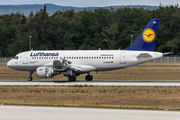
(89, 3)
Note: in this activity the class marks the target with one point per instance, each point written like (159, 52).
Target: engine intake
(47, 72)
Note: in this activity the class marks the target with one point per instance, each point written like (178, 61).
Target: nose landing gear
(30, 76)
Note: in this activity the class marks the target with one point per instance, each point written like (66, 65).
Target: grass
(92, 96)
(131, 73)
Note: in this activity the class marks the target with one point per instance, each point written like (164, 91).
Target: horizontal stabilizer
(168, 53)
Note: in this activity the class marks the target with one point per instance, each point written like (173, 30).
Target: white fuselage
(102, 60)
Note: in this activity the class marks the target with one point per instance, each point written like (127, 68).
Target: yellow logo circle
(148, 35)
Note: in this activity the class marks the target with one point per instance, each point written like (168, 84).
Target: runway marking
(165, 118)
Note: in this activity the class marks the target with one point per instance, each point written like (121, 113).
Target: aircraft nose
(9, 64)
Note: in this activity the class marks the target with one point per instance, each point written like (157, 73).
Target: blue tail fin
(146, 40)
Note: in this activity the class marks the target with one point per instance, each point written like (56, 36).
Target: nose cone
(9, 64)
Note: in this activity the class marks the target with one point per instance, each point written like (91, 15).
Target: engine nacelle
(46, 72)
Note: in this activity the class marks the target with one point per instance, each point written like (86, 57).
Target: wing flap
(82, 68)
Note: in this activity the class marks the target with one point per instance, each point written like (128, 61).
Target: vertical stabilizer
(147, 38)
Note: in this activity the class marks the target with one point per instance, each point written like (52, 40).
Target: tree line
(87, 30)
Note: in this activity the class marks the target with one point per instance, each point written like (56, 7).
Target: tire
(74, 78)
(89, 77)
(71, 78)
(29, 79)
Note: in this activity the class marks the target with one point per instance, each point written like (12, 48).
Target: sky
(90, 3)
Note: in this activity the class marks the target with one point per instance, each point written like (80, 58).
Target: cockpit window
(16, 57)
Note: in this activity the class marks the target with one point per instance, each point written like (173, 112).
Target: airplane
(72, 63)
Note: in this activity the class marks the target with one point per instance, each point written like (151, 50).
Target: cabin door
(123, 58)
(25, 58)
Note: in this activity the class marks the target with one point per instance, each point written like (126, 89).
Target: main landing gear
(30, 76)
(71, 78)
(89, 77)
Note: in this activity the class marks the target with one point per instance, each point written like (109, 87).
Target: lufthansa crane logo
(148, 35)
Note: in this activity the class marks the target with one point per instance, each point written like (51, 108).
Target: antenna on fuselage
(99, 48)
(32, 49)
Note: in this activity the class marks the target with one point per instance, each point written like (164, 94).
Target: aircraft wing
(67, 65)
(64, 65)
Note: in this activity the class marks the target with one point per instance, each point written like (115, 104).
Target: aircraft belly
(24, 68)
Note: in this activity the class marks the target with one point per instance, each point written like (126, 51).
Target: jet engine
(47, 72)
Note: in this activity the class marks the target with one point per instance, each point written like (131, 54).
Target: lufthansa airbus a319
(48, 63)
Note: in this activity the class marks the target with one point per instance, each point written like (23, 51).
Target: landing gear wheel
(71, 78)
(74, 78)
(29, 78)
(89, 77)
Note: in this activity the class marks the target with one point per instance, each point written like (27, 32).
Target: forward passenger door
(25, 58)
